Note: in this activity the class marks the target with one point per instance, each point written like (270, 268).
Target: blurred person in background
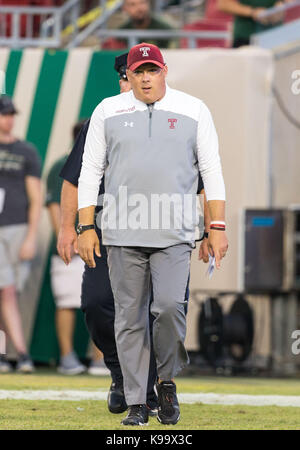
(247, 20)
(20, 207)
(66, 283)
(140, 17)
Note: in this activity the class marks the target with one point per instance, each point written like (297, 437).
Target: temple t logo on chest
(172, 123)
(128, 124)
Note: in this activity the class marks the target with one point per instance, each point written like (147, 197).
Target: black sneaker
(137, 415)
(168, 407)
(116, 399)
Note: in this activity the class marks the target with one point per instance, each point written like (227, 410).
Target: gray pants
(131, 270)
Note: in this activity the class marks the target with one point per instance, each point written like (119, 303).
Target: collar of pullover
(159, 102)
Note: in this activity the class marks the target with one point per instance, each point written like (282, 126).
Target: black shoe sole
(168, 422)
(135, 424)
(117, 410)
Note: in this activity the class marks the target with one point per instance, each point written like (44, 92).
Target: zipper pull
(150, 109)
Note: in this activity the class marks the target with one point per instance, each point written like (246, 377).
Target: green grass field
(93, 415)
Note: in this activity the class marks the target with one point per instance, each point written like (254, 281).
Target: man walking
(151, 143)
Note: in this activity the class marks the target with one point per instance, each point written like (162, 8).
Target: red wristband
(218, 227)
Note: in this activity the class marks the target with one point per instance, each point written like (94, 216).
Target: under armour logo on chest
(128, 124)
(145, 51)
(172, 123)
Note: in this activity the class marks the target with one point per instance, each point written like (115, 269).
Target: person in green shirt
(141, 18)
(247, 19)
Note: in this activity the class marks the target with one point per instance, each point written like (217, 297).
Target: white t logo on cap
(145, 51)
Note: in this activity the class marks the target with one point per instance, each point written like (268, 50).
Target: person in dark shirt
(247, 19)
(66, 283)
(20, 207)
(140, 18)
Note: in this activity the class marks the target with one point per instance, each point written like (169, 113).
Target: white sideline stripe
(4, 56)
(207, 398)
(25, 88)
(68, 104)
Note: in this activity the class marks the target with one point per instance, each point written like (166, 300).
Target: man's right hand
(217, 245)
(67, 243)
(256, 16)
(88, 242)
(271, 20)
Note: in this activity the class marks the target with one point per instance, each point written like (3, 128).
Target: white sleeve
(208, 156)
(93, 160)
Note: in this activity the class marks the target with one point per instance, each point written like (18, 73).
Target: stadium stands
(213, 20)
(6, 21)
(292, 14)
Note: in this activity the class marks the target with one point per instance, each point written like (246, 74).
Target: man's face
(148, 82)
(125, 86)
(138, 10)
(6, 122)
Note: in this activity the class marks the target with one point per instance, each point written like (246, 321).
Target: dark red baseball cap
(142, 54)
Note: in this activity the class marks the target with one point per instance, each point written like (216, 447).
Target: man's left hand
(28, 249)
(203, 251)
(217, 245)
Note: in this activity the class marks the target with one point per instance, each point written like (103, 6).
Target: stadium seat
(23, 21)
(212, 12)
(292, 14)
(29, 3)
(207, 25)
(213, 20)
(113, 44)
